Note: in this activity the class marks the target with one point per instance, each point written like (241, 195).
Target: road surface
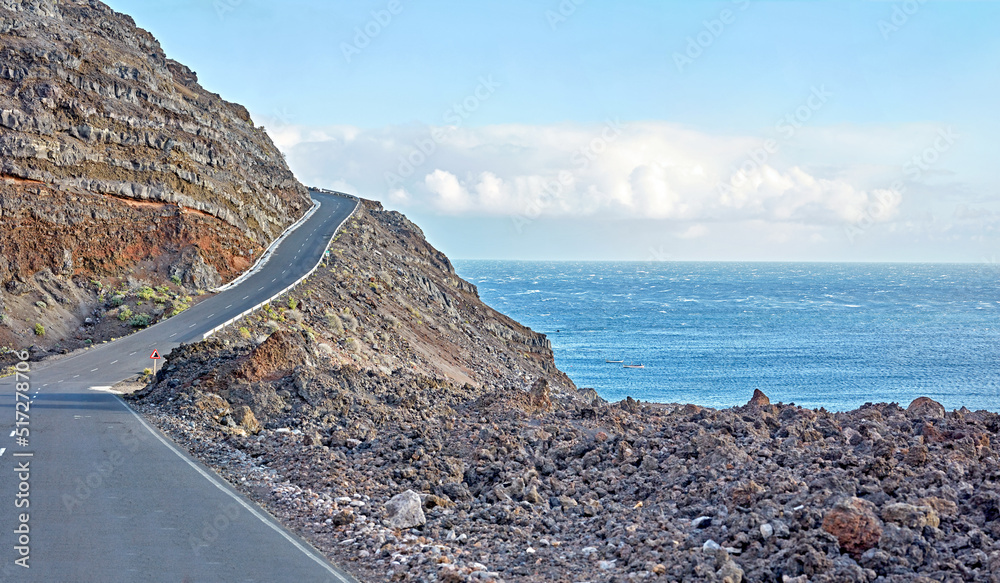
(98, 496)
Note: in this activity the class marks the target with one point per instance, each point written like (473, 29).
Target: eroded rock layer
(116, 163)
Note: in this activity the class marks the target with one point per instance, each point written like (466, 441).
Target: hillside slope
(117, 167)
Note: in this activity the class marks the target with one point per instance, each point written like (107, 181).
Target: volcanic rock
(926, 407)
(854, 524)
(759, 399)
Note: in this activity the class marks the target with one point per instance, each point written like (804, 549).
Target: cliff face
(115, 163)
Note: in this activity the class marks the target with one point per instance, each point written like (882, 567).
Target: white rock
(587, 551)
(710, 546)
(606, 565)
(405, 511)
(766, 530)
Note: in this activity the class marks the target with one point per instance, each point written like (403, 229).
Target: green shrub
(125, 314)
(41, 305)
(39, 330)
(293, 303)
(245, 332)
(146, 293)
(141, 320)
(117, 300)
(175, 279)
(162, 289)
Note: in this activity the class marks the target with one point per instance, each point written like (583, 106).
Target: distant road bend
(107, 498)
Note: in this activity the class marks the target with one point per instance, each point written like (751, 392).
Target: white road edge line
(277, 528)
(104, 390)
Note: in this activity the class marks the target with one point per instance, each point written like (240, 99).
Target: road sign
(155, 356)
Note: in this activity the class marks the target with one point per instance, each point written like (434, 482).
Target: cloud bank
(649, 170)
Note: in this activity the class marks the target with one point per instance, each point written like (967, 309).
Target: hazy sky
(585, 129)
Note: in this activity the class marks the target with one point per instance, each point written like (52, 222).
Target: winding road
(97, 495)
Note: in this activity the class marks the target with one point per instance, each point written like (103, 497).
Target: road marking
(76, 376)
(274, 280)
(13, 432)
(270, 523)
(245, 297)
(47, 384)
(116, 362)
(261, 288)
(104, 390)
(172, 335)
(132, 353)
(193, 325)
(210, 315)
(227, 307)
(2, 449)
(60, 381)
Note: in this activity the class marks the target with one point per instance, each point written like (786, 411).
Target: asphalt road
(107, 498)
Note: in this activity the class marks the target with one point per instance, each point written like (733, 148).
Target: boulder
(405, 511)
(759, 399)
(926, 407)
(853, 523)
(244, 417)
(214, 405)
(910, 516)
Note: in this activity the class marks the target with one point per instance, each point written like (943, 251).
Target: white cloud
(452, 197)
(650, 170)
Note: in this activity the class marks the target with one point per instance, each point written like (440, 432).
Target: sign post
(155, 356)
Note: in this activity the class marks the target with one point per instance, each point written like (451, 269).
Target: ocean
(816, 334)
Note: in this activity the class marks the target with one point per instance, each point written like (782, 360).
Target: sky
(633, 130)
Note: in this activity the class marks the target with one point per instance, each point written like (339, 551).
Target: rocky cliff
(117, 166)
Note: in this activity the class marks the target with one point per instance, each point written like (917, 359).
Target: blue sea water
(816, 334)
